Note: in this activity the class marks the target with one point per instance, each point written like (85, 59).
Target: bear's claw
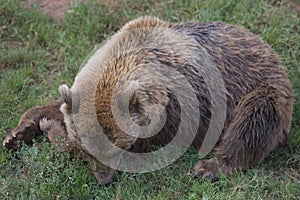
(46, 124)
(25, 131)
(210, 169)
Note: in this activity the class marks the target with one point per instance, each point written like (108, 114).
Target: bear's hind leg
(260, 123)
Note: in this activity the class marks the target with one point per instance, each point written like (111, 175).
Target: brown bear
(128, 72)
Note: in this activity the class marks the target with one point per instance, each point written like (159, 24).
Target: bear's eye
(107, 130)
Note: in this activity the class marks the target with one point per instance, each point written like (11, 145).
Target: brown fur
(258, 92)
(29, 123)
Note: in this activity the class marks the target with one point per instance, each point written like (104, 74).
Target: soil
(54, 8)
(296, 5)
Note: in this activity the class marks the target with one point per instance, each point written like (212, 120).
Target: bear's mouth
(106, 177)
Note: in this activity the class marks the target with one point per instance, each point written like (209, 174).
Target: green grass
(37, 54)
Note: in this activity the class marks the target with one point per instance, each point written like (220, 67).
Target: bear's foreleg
(29, 124)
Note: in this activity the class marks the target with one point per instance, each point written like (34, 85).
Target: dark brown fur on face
(258, 96)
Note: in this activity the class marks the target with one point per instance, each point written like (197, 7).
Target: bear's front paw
(24, 131)
(210, 169)
(46, 124)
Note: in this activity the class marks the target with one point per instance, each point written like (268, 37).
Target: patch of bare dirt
(296, 4)
(54, 8)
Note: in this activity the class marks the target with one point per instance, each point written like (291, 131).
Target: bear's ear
(66, 94)
(70, 98)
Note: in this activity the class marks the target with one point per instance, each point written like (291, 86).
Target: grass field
(37, 54)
